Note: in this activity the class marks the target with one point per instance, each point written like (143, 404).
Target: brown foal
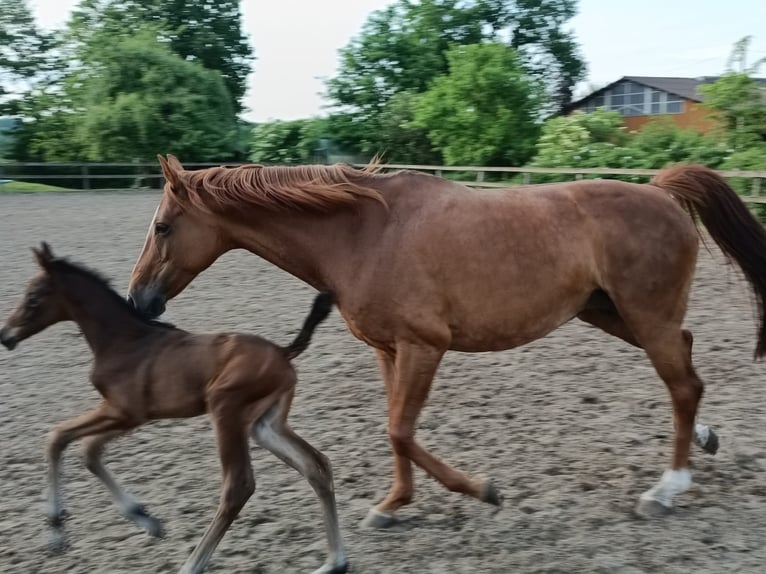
(146, 370)
(421, 265)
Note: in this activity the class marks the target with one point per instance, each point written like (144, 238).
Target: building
(641, 98)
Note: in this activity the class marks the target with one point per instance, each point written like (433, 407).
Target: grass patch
(29, 187)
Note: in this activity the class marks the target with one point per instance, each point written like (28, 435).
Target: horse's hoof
(490, 494)
(711, 446)
(648, 509)
(340, 568)
(380, 520)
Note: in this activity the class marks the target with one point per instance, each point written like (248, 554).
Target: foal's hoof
(711, 446)
(648, 509)
(57, 543)
(149, 523)
(341, 568)
(490, 494)
(380, 520)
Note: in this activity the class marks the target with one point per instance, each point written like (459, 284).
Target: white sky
(297, 41)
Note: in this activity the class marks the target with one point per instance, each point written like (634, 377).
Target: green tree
(289, 142)
(597, 139)
(202, 31)
(403, 48)
(662, 142)
(739, 101)
(484, 111)
(129, 100)
(143, 98)
(23, 51)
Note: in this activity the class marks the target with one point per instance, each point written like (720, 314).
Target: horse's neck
(102, 320)
(320, 249)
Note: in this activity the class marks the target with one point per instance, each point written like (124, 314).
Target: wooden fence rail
(147, 175)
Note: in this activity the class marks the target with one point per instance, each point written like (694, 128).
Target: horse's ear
(44, 255)
(174, 163)
(170, 173)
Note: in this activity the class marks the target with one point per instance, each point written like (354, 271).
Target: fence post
(756, 191)
(578, 176)
(85, 178)
(526, 177)
(438, 173)
(479, 176)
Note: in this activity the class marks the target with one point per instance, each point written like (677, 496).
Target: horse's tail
(703, 192)
(322, 306)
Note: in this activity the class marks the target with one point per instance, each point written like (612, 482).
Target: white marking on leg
(701, 435)
(274, 435)
(672, 482)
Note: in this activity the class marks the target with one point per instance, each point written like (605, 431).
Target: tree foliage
(130, 100)
(403, 49)
(204, 31)
(483, 111)
(285, 142)
(23, 50)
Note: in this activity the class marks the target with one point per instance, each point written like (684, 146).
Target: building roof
(686, 88)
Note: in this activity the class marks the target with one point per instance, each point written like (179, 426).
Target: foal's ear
(44, 255)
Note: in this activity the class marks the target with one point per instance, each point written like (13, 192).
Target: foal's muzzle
(8, 338)
(149, 303)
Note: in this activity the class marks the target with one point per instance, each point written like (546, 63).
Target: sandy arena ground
(571, 428)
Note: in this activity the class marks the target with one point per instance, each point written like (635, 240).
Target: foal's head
(40, 307)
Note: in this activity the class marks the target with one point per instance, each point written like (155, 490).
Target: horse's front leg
(408, 384)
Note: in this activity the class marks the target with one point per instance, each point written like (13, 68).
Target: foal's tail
(323, 304)
(701, 191)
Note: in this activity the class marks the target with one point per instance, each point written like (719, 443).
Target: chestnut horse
(422, 265)
(146, 370)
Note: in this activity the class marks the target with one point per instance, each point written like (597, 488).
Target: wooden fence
(101, 176)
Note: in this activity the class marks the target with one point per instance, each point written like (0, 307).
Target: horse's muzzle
(8, 338)
(149, 303)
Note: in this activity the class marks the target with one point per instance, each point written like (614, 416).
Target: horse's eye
(161, 229)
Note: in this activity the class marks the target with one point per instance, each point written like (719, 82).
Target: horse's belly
(507, 327)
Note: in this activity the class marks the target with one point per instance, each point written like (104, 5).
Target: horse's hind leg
(668, 350)
(92, 451)
(274, 434)
(609, 320)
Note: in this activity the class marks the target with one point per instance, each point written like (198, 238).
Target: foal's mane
(64, 266)
(281, 188)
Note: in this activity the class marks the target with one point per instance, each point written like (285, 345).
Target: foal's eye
(161, 229)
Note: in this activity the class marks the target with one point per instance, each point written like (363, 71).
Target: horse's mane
(279, 188)
(64, 266)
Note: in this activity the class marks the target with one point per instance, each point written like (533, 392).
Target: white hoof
(672, 482)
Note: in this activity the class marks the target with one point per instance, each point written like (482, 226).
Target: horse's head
(182, 241)
(40, 307)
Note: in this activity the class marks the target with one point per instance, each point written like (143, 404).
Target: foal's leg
(274, 434)
(414, 369)
(611, 322)
(93, 448)
(238, 484)
(101, 420)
